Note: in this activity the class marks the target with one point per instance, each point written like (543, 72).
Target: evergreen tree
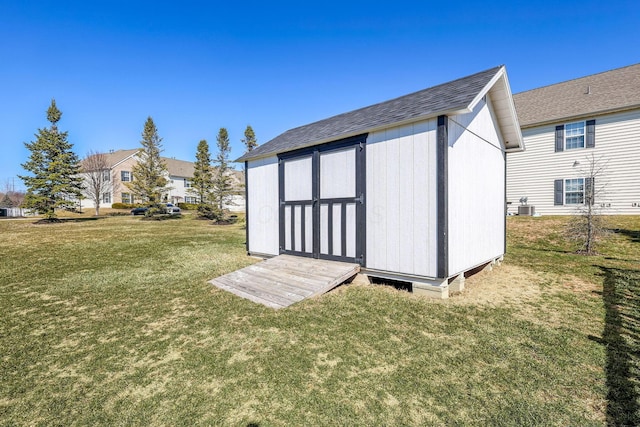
(202, 181)
(222, 190)
(6, 202)
(250, 140)
(55, 181)
(149, 174)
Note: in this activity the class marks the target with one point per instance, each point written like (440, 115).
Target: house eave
(581, 116)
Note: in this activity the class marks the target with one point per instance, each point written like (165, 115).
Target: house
(10, 212)
(180, 173)
(569, 126)
(411, 189)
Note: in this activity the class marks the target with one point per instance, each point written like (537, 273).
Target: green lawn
(112, 322)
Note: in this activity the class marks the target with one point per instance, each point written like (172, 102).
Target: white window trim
(584, 135)
(564, 191)
(122, 197)
(128, 176)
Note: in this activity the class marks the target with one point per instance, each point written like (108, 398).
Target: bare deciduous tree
(9, 196)
(97, 178)
(587, 227)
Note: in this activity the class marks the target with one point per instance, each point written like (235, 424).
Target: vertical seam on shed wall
(281, 206)
(442, 136)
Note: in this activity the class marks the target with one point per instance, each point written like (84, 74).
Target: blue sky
(196, 66)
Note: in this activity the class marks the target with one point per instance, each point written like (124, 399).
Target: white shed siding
(617, 147)
(476, 190)
(401, 199)
(263, 222)
(298, 182)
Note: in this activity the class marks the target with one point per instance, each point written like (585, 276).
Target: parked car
(165, 208)
(139, 211)
(171, 209)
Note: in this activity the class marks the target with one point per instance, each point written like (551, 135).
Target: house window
(106, 176)
(574, 191)
(574, 135)
(106, 197)
(190, 199)
(125, 176)
(126, 198)
(187, 183)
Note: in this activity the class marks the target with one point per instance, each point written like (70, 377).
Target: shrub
(210, 212)
(126, 205)
(188, 206)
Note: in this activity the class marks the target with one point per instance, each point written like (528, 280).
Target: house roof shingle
(610, 91)
(115, 157)
(177, 168)
(444, 98)
(174, 166)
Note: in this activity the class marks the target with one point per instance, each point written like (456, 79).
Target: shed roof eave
(455, 110)
(514, 150)
(511, 134)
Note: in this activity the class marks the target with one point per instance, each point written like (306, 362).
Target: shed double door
(322, 202)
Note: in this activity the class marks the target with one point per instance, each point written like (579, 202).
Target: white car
(171, 209)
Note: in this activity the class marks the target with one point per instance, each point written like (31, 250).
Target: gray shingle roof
(180, 168)
(114, 157)
(447, 97)
(175, 167)
(610, 91)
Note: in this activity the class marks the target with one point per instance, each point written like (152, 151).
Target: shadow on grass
(554, 250)
(64, 220)
(633, 235)
(621, 335)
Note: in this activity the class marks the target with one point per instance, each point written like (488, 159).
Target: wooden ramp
(284, 280)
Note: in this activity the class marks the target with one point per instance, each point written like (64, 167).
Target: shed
(412, 189)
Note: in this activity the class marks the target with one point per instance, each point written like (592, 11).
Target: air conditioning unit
(526, 210)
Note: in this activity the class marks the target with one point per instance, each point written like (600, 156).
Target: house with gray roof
(573, 131)
(411, 189)
(180, 173)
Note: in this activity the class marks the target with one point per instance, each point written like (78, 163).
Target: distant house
(567, 124)
(14, 212)
(180, 174)
(411, 189)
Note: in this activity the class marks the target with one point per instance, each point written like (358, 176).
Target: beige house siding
(119, 186)
(532, 173)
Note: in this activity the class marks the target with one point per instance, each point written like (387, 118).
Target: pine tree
(202, 181)
(55, 181)
(250, 140)
(149, 174)
(221, 180)
(6, 202)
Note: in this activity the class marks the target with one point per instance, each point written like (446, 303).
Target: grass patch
(111, 322)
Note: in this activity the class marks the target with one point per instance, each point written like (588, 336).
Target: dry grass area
(112, 322)
(505, 284)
